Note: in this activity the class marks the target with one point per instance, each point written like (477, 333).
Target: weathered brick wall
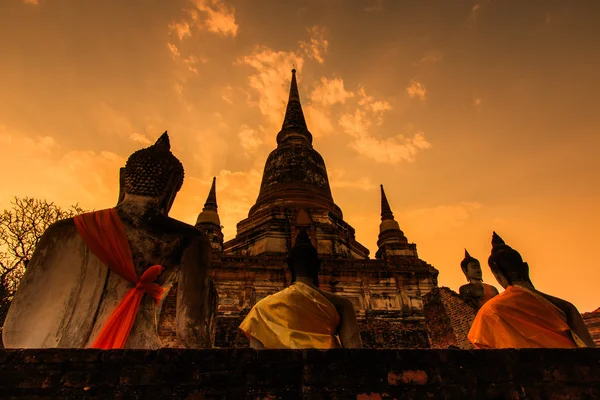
(300, 374)
(449, 319)
(592, 320)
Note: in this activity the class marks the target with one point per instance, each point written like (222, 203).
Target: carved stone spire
(208, 220)
(294, 124)
(211, 200)
(386, 211)
(392, 241)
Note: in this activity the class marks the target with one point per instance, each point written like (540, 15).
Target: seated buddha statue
(302, 315)
(475, 293)
(521, 316)
(97, 280)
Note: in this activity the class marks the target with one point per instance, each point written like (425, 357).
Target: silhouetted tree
(21, 228)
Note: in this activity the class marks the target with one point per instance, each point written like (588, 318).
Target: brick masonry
(300, 374)
(448, 318)
(592, 320)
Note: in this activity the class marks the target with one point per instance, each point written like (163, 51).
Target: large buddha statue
(97, 280)
(302, 315)
(521, 316)
(475, 293)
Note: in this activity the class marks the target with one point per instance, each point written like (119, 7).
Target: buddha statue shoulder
(73, 288)
(475, 293)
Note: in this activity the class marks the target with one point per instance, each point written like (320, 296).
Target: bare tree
(21, 228)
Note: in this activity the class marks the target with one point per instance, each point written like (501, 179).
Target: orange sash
(103, 232)
(520, 318)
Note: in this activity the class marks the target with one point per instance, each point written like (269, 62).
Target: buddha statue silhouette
(475, 293)
(302, 315)
(521, 316)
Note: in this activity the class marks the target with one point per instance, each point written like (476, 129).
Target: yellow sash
(295, 318)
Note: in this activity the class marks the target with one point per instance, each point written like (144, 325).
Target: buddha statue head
(303, 259)
(153, 174)
(507, 264)
(471, 268)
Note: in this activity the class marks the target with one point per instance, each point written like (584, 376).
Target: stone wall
(448, 318)
(592, 320)
(300, 374)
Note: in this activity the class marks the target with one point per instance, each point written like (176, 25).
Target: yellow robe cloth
(297, 317)
(521, 318)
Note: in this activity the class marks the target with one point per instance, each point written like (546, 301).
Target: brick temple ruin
(387, 291)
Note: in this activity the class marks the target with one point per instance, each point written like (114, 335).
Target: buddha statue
(522, 316)
(81, 288)
(302, 315)
(475, 293)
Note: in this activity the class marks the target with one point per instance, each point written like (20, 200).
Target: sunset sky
(475, 115)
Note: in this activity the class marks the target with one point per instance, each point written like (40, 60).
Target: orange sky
(476, 116)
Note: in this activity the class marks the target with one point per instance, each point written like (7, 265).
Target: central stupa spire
(294, 124)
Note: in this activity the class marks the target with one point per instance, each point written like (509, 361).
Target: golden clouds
(329, 92)
(270, 79)
(249, 139)
(368, 114)
(212, 15)
(416, 89)
(316, 47)
(33, 2)
(140, 138)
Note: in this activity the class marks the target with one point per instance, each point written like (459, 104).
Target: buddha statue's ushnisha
(521, 316)
(98, 280)
(475, 293)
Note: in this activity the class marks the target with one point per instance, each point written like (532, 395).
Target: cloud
(140, 138)
(329, 92)
(429, 58)
(249, 139)
(173, 50)
(270, 80)
(393, 150)
(211, 15)
(182, 29)
(416, 89)
(51, 172)
(34, 2)
(338, 179)
(318, 120)
(316, 46)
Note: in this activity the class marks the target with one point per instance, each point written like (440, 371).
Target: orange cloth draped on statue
(103, 233)
(297, 317)
(521, 318)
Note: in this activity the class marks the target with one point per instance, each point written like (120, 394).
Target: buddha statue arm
(574, 319)
(255, 343)
(348, 330)
(195, 295)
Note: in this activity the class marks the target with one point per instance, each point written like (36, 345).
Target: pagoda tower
(208, 220)
(295, 194)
